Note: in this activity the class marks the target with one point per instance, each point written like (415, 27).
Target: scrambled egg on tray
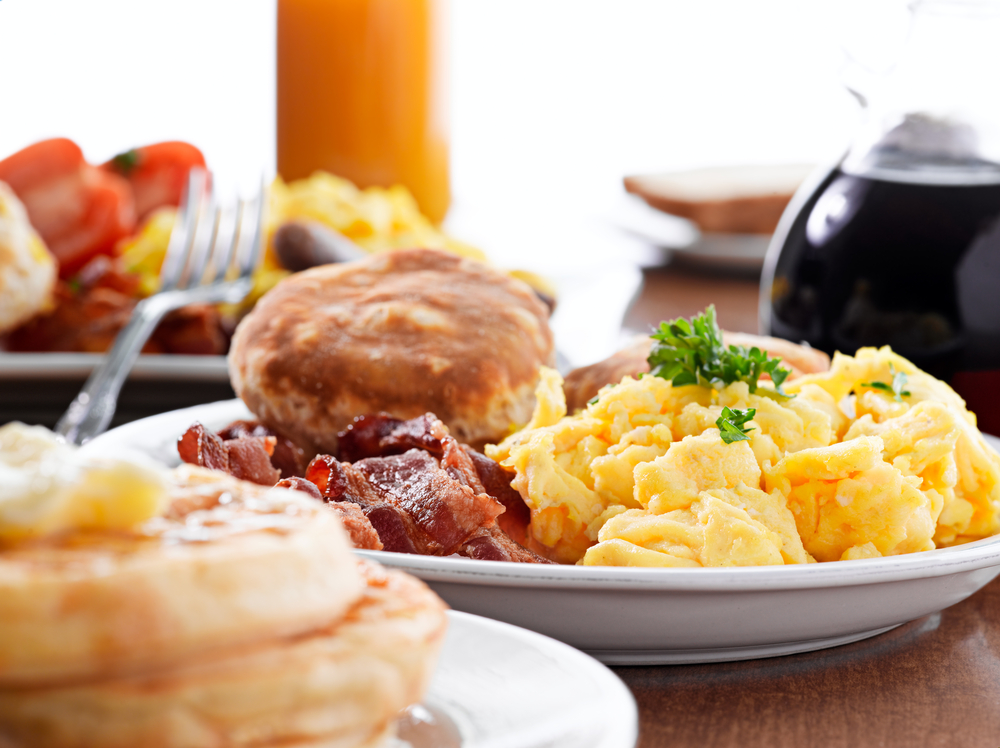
(376, 219)
(848, 467)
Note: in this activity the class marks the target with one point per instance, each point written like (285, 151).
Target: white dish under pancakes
(499, 686)
(633, 616)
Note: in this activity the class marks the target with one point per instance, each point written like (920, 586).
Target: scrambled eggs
(842, 470)
(376, 219)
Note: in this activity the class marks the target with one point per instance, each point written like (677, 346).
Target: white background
(551, 99)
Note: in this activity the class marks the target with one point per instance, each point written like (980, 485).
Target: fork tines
(211, 244)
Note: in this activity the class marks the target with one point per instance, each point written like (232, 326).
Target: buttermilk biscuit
(340, 686)
(403, 332)
(231, 564)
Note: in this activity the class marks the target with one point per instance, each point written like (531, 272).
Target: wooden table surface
(934, 682)
(669, 292)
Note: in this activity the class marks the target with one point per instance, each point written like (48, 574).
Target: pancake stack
(238, 618)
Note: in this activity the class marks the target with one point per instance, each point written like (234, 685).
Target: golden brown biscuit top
(407, 332)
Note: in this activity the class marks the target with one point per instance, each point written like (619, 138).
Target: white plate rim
(939, 562)
(618, 699)
(936, 563)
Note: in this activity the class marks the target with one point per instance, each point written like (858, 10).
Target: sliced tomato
(46, 178)
(41, 162)
(157, 173)
(79, 210)
(109, 215)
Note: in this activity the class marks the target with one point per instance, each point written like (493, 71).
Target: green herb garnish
(731, 422)
(692, 352)
(895, 389)
(126, 162)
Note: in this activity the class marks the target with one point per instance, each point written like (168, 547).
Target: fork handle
(91, 412)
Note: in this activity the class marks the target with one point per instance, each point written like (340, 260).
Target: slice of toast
(729, 199)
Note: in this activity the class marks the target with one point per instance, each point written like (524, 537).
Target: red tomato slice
(157, 173)
(109, 215)
(79, 211)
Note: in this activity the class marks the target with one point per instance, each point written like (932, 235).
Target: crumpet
(230, 565)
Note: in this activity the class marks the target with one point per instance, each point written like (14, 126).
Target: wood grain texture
(679, 291)
(934, 682)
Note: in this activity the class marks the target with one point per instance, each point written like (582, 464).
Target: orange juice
(361, 94)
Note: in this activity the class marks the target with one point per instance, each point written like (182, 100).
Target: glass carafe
(899, 243)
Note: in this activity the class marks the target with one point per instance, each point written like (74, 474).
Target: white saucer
(498, 686)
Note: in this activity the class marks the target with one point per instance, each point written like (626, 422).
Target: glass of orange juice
(362, 94)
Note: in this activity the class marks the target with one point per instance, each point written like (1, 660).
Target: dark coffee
(911, 264)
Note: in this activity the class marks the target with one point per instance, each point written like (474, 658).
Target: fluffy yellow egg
(845, 469)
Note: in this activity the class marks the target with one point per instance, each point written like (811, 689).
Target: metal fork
(210, 259)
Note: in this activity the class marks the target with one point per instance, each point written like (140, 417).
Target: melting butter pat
(47, 486)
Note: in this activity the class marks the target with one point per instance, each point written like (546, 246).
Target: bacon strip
(362, 533)
(340, 482)
(381, 435)
(287, 457)
(493, 544)
(444, 509)
(247, 458)
(414, 505)
(496, 482)
(412, 488)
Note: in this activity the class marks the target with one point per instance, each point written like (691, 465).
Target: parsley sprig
(896, 389)
(692, 352)
(731, 424)
(125, 162)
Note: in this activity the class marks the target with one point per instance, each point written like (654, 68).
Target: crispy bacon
(300, 484)
(414, 505)
(458, 464)
(248, 458)
(493, 544)
(340, 482)
(381, 435)
(287, 457)
(444, 509)
(496, 482)
(404, 486)
(358, 526)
